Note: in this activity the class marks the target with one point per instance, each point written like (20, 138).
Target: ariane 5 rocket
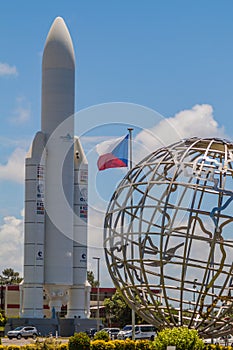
(56, 187)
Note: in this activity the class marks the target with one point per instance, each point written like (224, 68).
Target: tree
(2, 319)
(9, 276)
(91, 279)
(119, 311)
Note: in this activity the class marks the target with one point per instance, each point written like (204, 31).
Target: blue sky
(168, 56)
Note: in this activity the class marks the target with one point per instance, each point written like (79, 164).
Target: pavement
(22, 341)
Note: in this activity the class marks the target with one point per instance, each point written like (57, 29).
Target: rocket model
(56, 184)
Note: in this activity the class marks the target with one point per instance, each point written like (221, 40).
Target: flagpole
(130, 148)
(130, 168)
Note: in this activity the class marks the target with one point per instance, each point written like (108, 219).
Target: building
(10, 301)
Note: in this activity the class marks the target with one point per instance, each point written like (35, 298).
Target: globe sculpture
(168, 236)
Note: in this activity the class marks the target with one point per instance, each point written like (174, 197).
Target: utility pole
(132, 252)
(98, 292)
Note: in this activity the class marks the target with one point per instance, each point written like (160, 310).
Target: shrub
(13, 347)
(119, 344)
(212, 347)
(143, 344)
(63, 346)
(79, 341)
(129, 344)
(110, 345)
(98, 345)
(102, 335)
(47, 344)
(30, 347)
(181, 337)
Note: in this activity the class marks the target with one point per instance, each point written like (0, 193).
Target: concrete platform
(65, 327)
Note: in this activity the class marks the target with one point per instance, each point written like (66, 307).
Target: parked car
(113, 332)
(142, 331)
(91, 332)
(23, 332)
(225, 340)
(210, 341)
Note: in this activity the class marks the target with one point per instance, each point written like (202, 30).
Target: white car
(23, 332)
(225, 340)
(210, 341)
(142, 331)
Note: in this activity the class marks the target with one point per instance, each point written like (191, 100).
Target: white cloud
(22, 111)
(95, 227)
(95, 244)
(8, 143)
(11, 243)
(93, 140)
(198, 121)
(13, 170)
(6, 69)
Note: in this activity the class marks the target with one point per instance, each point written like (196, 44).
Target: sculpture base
(63, 327)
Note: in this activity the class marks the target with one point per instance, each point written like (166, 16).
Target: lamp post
(98, 292)
(131, 205)
(194, 291)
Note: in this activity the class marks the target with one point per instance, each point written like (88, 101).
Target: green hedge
(44, 346)
(143, 344)
(119, 344)
(98, 344)
(80, 342)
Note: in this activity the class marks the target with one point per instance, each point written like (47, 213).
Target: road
(6, 341)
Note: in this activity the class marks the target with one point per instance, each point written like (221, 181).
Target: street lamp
(98, 292)
(194, 290)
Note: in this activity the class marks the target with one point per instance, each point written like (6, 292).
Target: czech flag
(113, 153)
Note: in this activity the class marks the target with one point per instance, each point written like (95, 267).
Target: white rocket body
(57, 232)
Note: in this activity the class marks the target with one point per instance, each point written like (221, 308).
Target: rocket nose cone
(58, 51)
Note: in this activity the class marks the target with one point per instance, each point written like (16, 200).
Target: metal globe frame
(168, 236)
